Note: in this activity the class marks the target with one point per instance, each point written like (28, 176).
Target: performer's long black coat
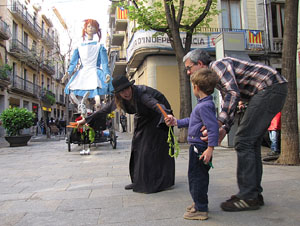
(151, 168)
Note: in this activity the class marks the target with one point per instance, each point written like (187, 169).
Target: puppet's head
(95, 24)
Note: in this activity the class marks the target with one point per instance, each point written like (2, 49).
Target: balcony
(5, 33)
(60, 99)
(58, 76)
(47, 39)
(276, 45)
(117, 39)
(23, 86)
(47, 66)
(121, 19)
(19, 11)
(118, 64)
(23, 53)
(47, 97)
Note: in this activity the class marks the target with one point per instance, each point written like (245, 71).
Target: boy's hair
(205, 79)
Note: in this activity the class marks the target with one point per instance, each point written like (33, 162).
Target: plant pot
(17, 141)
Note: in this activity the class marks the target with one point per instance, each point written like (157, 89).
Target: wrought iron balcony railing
(25, 85)
(20, 11)
(5, 33)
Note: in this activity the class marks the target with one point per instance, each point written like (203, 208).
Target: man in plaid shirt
(265, 91)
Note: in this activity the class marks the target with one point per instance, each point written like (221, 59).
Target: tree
(172, 17)
(289, 131)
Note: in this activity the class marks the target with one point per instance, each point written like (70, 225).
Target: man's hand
(170, 120)
(204, 133)
(222, 134)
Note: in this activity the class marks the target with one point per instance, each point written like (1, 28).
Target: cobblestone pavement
(42, 184)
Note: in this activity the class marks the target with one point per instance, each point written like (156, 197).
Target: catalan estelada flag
(255, 39)
(121, 13)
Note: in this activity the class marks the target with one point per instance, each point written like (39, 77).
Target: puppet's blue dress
(90, 76)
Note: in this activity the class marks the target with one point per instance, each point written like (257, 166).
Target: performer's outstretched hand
(107, 78)
(81, 122)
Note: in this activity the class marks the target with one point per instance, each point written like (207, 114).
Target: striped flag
(255, 39)
(121, 13)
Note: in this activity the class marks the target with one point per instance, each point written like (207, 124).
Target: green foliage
(16, 119)
(153, 16)
(5, 71)
(173, 143)
(50, 98)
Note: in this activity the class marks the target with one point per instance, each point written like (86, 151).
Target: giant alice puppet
(93, 76)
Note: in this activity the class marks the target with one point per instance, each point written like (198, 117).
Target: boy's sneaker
(193, 214)
(237, 204)
(189, 208)
(82, 152)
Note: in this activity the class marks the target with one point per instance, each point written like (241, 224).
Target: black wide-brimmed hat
(121, 82)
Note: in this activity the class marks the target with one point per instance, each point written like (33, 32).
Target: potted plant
(14, 120)
(5, 71)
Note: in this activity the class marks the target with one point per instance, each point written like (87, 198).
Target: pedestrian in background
(200, 152)
(274, 134)
(265, 91)
(123, 121)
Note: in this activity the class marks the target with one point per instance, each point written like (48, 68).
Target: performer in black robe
(151, 168)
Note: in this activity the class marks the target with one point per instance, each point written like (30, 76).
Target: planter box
(17, 141)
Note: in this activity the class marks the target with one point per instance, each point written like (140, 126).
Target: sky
(74, 12)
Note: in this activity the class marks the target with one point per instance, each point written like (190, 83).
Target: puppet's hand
(107, 78)
(65, 77)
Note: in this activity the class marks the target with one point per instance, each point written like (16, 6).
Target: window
(231, 14)
(15, 31)
(277, 20)
(25, 41)
(33, 47)
(25, 79)
(48, 84)
(42, 81)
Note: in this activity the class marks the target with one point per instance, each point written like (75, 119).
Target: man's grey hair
(198, 54)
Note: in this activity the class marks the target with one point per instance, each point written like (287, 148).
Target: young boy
(200, 152)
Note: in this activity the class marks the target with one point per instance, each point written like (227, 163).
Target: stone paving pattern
(42, 184)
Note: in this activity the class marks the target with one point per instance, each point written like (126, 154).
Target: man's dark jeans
(198, 179)
(261, 109)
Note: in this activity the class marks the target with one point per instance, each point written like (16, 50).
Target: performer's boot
(87, 151)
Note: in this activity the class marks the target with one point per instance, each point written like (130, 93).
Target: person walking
(151, 168)
(200, 153)
(123, 121)
(265, 90)
(274, 135)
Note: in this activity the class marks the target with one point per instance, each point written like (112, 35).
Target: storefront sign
(145, 39)
(46, 109)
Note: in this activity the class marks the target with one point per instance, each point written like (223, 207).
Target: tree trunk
(289, 130)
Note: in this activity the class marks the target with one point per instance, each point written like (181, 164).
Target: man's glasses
(188, 68)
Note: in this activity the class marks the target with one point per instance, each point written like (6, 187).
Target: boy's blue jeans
(261, 109)
(198, 179)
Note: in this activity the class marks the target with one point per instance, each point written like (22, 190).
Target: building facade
(29, 46)
(150, 59)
